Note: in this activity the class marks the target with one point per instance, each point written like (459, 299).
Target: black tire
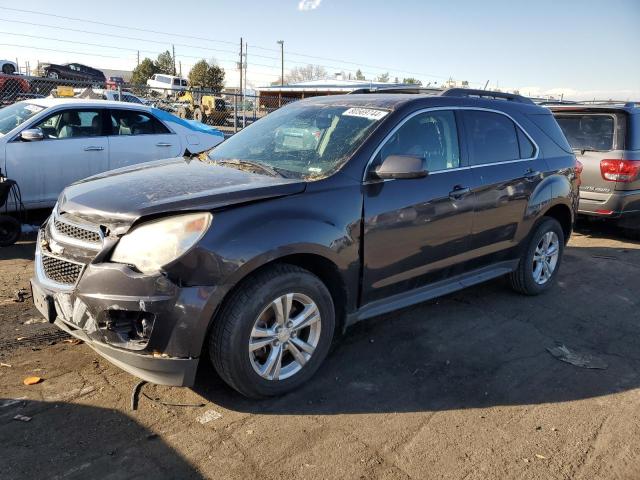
(10, 230)
(231, 331)
(522, 279)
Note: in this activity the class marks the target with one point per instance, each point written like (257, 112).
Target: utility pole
(239, 92)
(180, 64)
(244, 88)
(138, 58)
(281, 43)
(173, 48)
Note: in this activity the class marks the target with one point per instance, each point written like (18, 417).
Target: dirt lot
(462, 387)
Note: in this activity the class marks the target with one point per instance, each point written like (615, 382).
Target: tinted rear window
(588, 131)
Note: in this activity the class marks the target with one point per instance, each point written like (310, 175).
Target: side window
(527, 149)
(132, 122)
(176, 81)
(430, 135)
(72, 124)
(491, 137)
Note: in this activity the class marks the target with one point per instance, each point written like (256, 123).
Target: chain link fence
(228, 111)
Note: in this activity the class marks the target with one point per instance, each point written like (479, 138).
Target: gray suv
(606, 139)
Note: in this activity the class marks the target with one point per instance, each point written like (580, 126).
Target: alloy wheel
(284, 336)
(545, 258)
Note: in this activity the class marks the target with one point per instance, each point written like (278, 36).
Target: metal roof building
(275, 94)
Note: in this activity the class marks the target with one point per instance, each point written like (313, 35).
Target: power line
(173, 34)
(56, 50)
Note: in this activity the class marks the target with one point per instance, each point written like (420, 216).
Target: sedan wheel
(285, 336)
(53, 75)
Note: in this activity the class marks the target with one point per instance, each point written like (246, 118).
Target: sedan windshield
(301, 140)
(14, 115)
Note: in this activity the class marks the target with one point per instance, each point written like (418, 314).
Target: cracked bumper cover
(170, 354)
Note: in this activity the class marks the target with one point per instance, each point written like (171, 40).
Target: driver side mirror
(32, 135)
(401, 166)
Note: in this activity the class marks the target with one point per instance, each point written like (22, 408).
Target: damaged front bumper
(145, 324)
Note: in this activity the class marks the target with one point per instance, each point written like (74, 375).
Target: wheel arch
(563, 214)
(320, 265)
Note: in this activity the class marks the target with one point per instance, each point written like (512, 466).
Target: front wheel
(274, 332)
(540, 262)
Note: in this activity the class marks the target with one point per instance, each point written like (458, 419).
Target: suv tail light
(623, 171)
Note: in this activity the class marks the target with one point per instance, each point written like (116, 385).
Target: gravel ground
(460, 387)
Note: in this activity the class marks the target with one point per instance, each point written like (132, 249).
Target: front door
(138, 137)
(73, 148)
(416, 231)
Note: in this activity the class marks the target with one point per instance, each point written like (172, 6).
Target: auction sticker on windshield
(368, 113)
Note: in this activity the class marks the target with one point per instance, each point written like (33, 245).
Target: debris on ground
(541, 457)
(582, 360)
(209, 416)
(172, 404)
(22, 418)
(135, 393)
(32, 380)
(73, 341)
(20, 295)
(5, 365)
(35, 320)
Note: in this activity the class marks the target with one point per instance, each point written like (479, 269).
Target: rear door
(417, 231)
(137, 137)
(506, 170)
(74, 147)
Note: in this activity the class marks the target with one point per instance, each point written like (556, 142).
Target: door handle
(93, 149)
(163, 144)
(531, 175)
(458, 192)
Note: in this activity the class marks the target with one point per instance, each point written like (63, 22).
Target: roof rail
(470, 92)
(399, 89)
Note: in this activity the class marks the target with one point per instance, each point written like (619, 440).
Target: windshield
(588, 132)
(302, 140)
(14, 115)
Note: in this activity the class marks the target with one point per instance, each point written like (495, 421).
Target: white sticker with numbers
(368, 113)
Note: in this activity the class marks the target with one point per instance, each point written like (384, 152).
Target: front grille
(60, 270)
(76, 232)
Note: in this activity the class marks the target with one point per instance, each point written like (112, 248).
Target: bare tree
(303, 74)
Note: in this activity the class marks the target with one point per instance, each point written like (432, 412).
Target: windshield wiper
(255, 165)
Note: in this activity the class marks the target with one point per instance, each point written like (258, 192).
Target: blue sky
(581, 48)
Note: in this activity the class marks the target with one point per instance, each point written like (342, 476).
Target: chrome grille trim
(66, 231)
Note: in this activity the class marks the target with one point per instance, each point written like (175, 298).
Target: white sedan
(49, 143)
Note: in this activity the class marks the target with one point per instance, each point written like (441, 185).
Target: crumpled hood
(120, 197)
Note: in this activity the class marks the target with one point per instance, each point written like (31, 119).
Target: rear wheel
(540, 262)
(274, 332)
(53, 74)
(10, 230)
